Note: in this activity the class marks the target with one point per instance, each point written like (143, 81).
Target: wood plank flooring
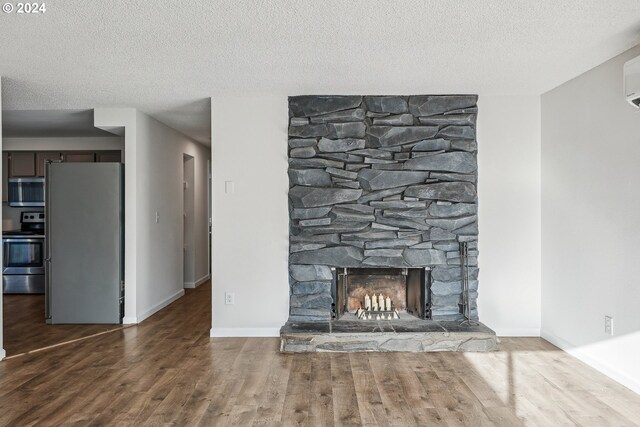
(25, 328)
(167, 371)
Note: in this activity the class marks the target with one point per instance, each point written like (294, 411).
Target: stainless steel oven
(23, 265)
(25, 192)
(23, 269)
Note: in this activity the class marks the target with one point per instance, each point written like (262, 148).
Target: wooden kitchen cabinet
(22, 164)
(29, 164)
(5, 177)
(79, 156)
(108, 156)
(41, 159)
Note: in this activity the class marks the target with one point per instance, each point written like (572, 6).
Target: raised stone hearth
(406, 334)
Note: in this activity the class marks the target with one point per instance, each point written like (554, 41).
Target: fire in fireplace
(381, 293)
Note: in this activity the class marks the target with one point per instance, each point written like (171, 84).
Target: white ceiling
(167, 58)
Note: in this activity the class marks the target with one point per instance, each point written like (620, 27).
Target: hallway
(167, 371)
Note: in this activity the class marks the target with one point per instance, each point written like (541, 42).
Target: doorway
(25, 154)
(188, 220)
(209, 217)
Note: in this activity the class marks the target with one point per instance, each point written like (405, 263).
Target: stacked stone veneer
(381, 181)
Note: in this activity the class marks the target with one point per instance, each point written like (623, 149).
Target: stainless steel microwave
(26, 192)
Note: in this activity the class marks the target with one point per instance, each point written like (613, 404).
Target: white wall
(159, 174)
(590, 220)
(250, 226)
(250, 244)
(509, 214)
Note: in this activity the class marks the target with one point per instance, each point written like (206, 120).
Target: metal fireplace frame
(417, 282)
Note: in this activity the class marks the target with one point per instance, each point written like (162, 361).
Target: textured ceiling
(167, 58)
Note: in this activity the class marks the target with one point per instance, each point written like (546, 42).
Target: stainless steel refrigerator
(84, 243)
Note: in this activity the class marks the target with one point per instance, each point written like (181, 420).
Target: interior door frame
(2, 352)
(209, 228)
(188, 221)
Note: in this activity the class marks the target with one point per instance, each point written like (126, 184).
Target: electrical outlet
(229, 298)
(608, 325)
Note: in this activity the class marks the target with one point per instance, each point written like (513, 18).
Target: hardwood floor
(25, 329)
(167, 371)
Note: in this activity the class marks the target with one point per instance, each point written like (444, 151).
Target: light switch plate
(229, 187)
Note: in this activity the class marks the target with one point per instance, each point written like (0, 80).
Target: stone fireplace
(382, 193)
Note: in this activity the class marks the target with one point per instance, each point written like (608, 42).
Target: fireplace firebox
(383, 293)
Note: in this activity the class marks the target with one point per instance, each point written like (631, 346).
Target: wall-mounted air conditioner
(632, 81)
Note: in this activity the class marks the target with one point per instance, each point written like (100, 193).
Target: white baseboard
(131, 320)
(200, 281)
(244, 332)
(522, 332)
(3, 354)
(605, 368)
(162, 304)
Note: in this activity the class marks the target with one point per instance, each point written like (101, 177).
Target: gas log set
(377, 307)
